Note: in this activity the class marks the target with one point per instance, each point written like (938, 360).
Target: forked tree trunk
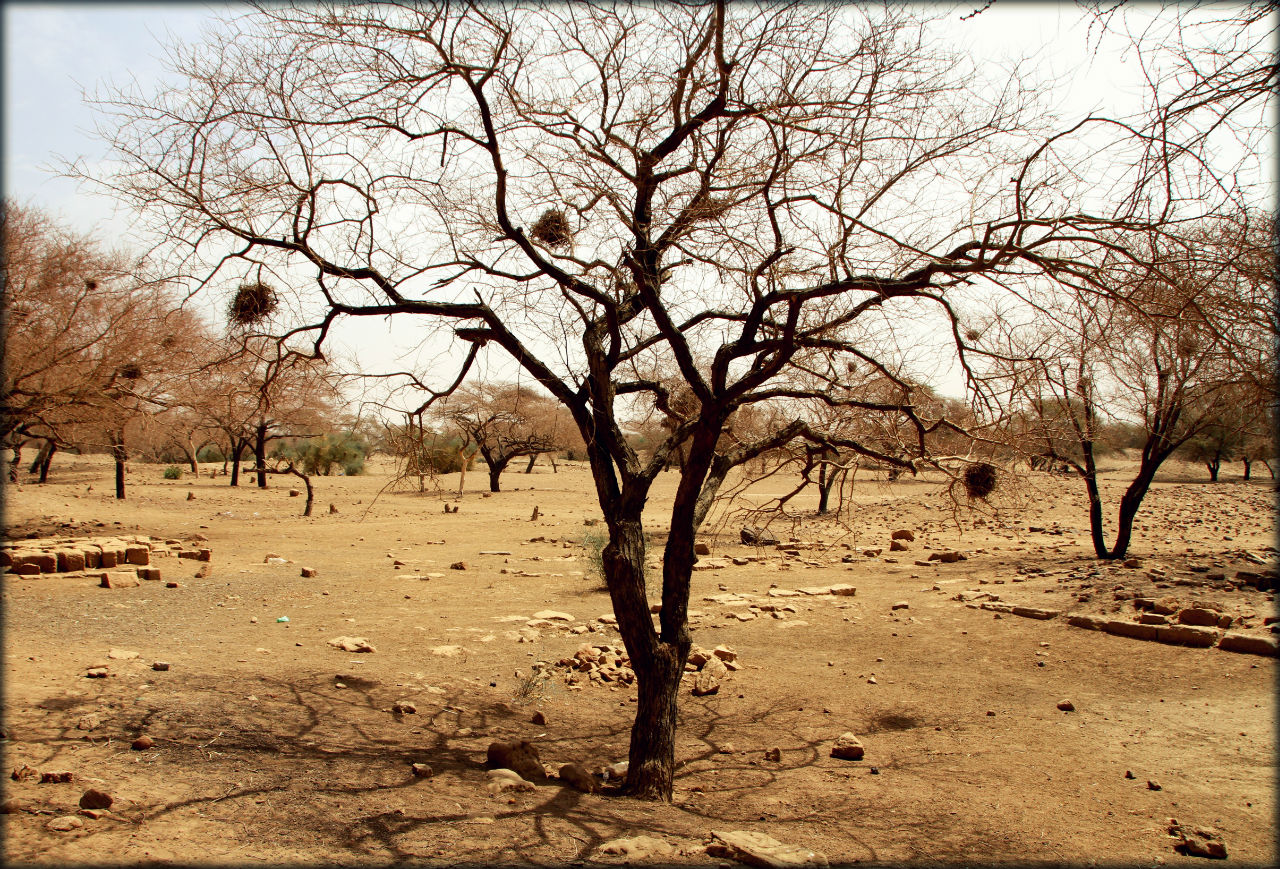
(528, 469)
(496, 467)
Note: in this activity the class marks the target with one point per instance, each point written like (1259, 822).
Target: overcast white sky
(54, 51)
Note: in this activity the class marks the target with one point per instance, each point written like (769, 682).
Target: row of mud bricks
(76, 555)
(1180, 635)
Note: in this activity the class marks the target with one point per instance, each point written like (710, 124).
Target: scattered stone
(422, 770)
(843, 590)
(333, 508)
(64, 824)
(1153, 785)
(848, 747)
(519, 755)
(503, 779)
(54, 778)
(903, 534)
(577, 777)
(757, 849)
(706, 683)
(122, 654)
(142, 743)
(757, 537)
(96, 673)
(1030, 612)
(1197, 841)
(1066, 706)
(897, 546)
(14, 805)
(95, 799)
(950, 557)
(309, 573)
(552, 615)
(538, 718)
(24, 772)
(701, 549)
(458, 565)
(900, 605)
(640, 849)
(404, 707)
(351, 644)
(89, 722)
(160, 666)
(448, 651)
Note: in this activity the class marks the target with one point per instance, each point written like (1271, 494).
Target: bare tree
(602, 191)
(1154, 354)
(504, 421)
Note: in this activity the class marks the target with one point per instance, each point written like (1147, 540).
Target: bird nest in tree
(979, 480)
(252, 303)
(709, 208)
(552, 229)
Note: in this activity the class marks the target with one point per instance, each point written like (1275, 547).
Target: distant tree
(504, 421)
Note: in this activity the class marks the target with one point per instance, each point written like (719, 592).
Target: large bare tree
(609, 193)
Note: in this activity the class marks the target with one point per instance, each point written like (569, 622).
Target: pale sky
(54, 51)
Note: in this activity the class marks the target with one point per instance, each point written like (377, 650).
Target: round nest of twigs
(979, 480)
(710, 208)
(552, 229)
(252, 303)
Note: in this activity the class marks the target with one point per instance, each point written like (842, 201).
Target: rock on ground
(848, 747)
(757, 849)
(519, 755)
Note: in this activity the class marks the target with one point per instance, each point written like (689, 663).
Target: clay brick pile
(114, 561)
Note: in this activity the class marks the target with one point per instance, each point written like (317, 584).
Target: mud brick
(119, 579)
(92, 557)
(6, 558)
(1030, 612)
(1131, 629)
(149, 573)
(27, 570)
(1198, 616)
(1186, 635)
(204, 555)
(137, 554)
(46, 561)
(69, 560)
(1250, 645)
(1089, 623)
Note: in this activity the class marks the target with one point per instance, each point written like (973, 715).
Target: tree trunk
(1213, 464)
(496, 467)
(528, 469)
(46, 457)
(260, 453)
(1248, 465)
(16, 463)
(121, 456)
(192, 451)
(551, 457)
(237, 451)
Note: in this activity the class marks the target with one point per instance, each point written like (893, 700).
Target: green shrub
(593, 543)
(320, 455)
(173, 472)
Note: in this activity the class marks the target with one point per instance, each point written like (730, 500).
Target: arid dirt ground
(271, 746)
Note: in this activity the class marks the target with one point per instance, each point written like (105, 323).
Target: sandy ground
(271, 746)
